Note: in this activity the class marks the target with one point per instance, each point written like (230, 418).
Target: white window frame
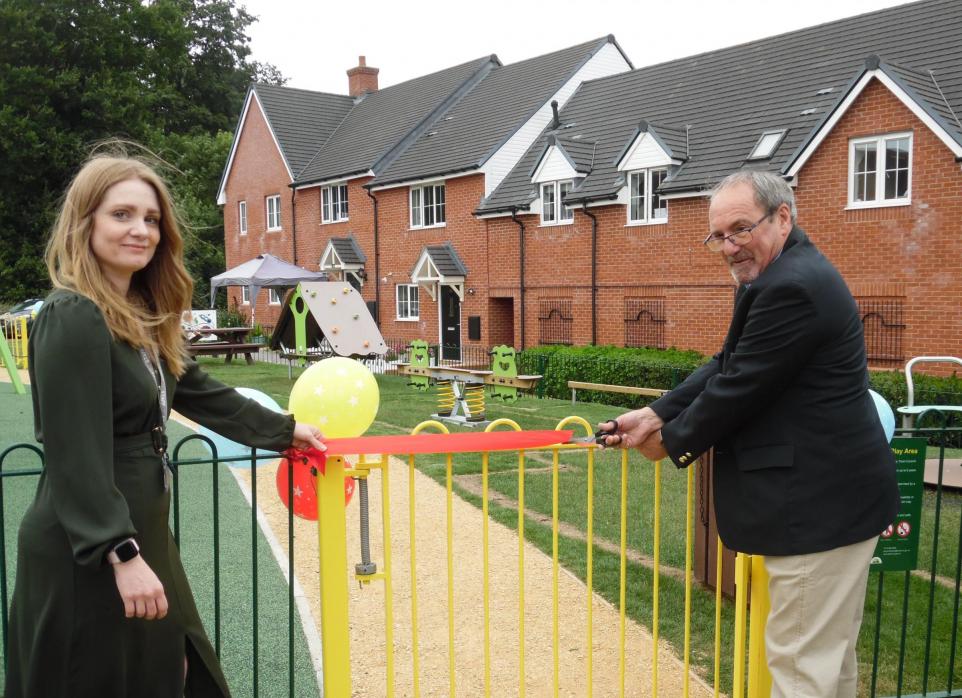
(334, 208)
(242, 217)
(406, 303)
(880, 168)
(419, 210)
(648, 217)
(245, 295)
(273, 212)
(556, 213)
(273, 297)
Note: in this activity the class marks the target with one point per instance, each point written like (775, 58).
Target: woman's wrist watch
(123, 552)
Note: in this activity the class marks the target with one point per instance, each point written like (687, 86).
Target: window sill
(559, 224)
(339, 220)
(274, 230)
(407, 319)
(645, 224)
(428, 227)
(861, 205)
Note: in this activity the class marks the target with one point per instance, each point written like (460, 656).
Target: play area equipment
(322, 319)
(461, 391)
(910, 411)
(951, 475)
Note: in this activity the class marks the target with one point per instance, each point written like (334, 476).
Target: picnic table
(229, 341)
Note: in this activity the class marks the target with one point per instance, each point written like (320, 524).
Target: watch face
(127, 550)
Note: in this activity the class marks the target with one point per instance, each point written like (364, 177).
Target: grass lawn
(197, 542)
(402, 408)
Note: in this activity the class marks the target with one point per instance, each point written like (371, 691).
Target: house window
(273, 297)
(407, 302)
(274, 212)
(553, 210)
(242, 217)
(427, 206)
(644, 203)
(334, 203)
(880, 170)
(245, 295)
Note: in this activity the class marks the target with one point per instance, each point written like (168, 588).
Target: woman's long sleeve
(221, 408)
(71, 382)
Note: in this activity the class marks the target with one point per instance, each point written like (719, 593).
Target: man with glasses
(802, 473)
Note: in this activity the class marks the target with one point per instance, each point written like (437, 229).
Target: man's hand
(634, 429)
(141, 591)
(652, 448)
(306, 436)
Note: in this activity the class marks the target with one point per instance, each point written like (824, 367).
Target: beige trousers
(816, 612)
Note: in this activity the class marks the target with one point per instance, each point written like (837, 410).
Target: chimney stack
(362, 78)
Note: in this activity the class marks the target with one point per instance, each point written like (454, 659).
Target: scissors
(608, 428)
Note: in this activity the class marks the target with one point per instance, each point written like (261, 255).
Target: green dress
(94, 405)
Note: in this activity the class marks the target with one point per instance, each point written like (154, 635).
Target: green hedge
(648, 368)
(665, 368)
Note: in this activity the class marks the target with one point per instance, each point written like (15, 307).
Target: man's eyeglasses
(715, 242)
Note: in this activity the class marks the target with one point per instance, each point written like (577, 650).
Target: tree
(169, 73)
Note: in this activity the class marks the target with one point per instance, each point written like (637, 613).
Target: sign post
(898, 546)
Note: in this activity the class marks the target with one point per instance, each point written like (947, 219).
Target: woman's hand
(141, 591)
(306, 436)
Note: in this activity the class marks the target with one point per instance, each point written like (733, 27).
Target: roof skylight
(766, 145)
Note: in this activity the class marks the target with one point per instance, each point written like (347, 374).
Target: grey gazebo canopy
(265, 270)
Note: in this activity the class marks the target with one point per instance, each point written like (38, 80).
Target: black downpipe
(514, 217)
(294, 225)
(594, 273)
(377, 265)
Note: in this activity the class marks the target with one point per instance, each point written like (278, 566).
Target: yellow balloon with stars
(337, 395)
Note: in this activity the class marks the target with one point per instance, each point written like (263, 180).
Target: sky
(313, 42)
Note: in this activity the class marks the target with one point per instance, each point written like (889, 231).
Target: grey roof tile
(377, 127)
(446, 259)
(302, 120)
(730, 96)
(348, 250)
(474, 128)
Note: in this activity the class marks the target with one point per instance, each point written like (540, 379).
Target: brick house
(588, 228)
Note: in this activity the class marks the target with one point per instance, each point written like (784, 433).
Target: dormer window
(880, 171)
(334, 203)
(427, 206)
(645, 206)
(553, 210)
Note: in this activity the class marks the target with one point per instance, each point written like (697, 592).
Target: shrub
(647, 368)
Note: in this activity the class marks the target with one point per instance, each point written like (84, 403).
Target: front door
(450, 325)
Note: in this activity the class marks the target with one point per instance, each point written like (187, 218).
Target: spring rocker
(461, 391)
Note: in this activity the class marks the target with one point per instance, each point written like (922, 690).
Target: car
(28, 309)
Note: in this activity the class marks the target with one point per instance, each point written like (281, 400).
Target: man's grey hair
(771, 191)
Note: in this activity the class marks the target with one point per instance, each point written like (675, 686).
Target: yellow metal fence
(749, 672)
(15, 333)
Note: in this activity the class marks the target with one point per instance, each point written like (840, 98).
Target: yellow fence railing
(15, 333)
(749, 675)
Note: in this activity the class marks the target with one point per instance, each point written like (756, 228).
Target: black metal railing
(242, 654)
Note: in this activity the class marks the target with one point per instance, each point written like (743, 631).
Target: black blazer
(801, 460)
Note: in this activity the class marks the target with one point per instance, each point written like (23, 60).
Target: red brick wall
(913, 252)
(258, 171)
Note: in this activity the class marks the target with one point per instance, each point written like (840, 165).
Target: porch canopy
(265, 270)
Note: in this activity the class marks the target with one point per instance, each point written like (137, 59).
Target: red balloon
(306, 465)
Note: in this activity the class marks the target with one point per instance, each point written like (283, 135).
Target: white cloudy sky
(314, 41)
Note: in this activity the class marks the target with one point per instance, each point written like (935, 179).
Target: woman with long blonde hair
(101, 605)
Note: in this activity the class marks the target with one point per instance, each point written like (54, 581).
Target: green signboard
(898, 546)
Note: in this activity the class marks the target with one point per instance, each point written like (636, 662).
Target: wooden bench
(228, 349)
(604, 388)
